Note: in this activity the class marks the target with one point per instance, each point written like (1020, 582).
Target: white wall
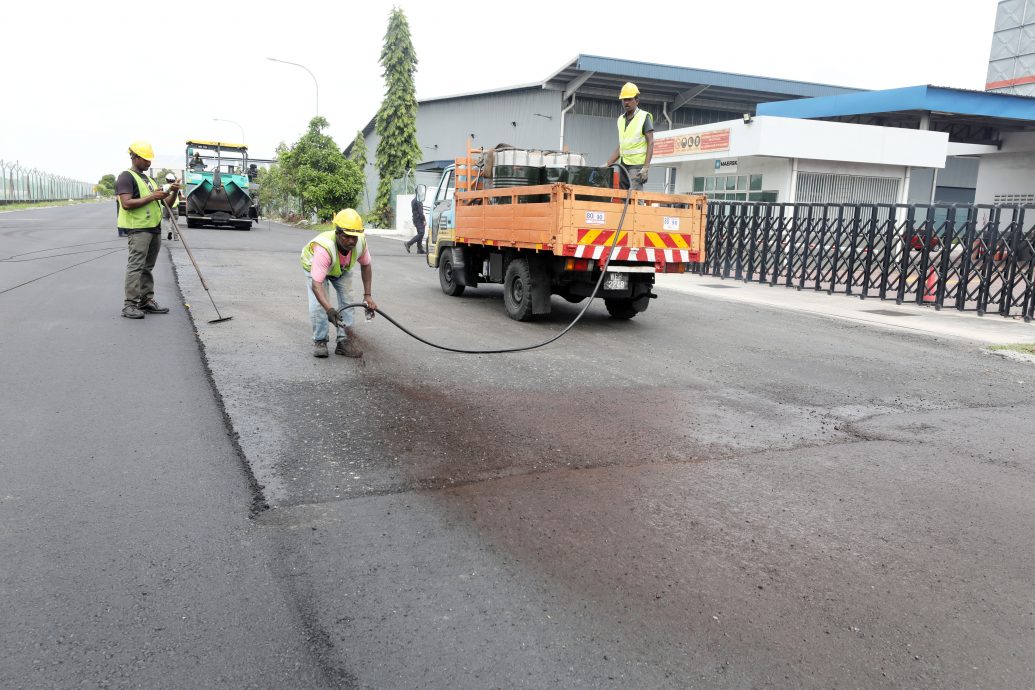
(783, 137)
(1009, 171)
(776, 172)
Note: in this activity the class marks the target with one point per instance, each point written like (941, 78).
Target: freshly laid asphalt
(745, 486)
(127, 556)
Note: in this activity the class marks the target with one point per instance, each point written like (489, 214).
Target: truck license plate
(616, 281)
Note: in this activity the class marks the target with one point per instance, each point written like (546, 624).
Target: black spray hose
(524, 348)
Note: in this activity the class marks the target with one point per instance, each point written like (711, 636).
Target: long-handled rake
(183, 238)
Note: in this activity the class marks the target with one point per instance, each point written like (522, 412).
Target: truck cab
(443, 217)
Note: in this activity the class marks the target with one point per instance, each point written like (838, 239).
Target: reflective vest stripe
(631, 141)
(147, 216)
(327, 241)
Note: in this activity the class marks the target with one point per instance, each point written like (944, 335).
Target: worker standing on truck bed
(635, 140)
(140, 220)
(331, 256)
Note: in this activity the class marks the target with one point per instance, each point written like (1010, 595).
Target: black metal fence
(972, 258)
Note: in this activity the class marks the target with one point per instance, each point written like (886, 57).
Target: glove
(334, 316)
(642, 174)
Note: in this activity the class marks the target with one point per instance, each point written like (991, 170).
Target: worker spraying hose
(331, 257)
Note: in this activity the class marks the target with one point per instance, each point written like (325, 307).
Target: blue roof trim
(934, 98)
(647, 70)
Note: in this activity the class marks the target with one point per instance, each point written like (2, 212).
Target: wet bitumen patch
(392, 436)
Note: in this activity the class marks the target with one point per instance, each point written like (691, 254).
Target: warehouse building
(577, 106)
(757, 138)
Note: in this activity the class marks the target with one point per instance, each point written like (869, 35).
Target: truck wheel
(191, 223)
(445, 275)
(517, 290)
(620, 308)
(242, 225)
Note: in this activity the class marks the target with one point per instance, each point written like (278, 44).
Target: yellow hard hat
(629, 91)
(142, 149)
(349, 222)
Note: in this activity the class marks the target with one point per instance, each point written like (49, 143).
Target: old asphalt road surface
(127, 556)
(712, 494)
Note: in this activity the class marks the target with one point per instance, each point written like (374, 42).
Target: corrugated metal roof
(688, 75)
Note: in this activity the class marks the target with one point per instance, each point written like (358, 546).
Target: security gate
(971, 258)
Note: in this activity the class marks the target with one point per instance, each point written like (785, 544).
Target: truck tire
(517, 290)
(620, 308)
(242, 225)
(191, 223)
(445, 275)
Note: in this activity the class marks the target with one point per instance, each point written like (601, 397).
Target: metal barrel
(518, 176)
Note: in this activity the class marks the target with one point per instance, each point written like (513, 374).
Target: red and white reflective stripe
(639, 254)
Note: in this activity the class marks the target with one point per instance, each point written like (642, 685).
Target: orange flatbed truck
(553, 239)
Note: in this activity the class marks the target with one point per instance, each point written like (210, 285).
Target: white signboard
(671, 224)
(594, 217)
(725, 166)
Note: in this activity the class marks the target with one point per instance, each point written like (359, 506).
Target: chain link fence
(18, 184)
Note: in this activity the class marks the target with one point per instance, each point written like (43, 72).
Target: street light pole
(316, 83)
(219, 119)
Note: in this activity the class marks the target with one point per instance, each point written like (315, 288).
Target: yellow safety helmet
(629, 91)
(349, 222)
(143, 149)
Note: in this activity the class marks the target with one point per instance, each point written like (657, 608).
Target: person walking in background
(419, 222)
(331, 257)
(140, 220)
(635, 140)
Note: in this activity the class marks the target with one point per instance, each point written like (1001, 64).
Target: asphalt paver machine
(220, 187)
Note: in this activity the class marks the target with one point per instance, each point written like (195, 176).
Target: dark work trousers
(418, 239)
(143, 253)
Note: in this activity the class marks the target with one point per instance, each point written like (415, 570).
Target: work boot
(320, 348)
(407, 245)
(348, 347)
(131, 312)
(152, 307)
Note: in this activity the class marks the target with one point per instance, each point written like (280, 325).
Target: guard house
(783, 159)
(988, 143)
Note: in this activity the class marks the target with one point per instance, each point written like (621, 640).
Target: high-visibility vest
(631, 142)
(327, 241)
(145, 217)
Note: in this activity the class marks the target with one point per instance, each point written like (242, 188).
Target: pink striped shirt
(322, 262)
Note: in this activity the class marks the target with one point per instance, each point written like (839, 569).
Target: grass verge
(22, 205)
(1024, 348)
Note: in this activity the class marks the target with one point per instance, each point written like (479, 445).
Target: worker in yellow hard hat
(332, 256)
(140, 221)
(635, 140)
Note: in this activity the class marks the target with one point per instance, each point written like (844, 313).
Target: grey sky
(84, 79)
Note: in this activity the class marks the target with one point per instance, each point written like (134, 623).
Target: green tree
(359, 150)
(106, 185)
(396, 121)
(322, 177)
(277, 193)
